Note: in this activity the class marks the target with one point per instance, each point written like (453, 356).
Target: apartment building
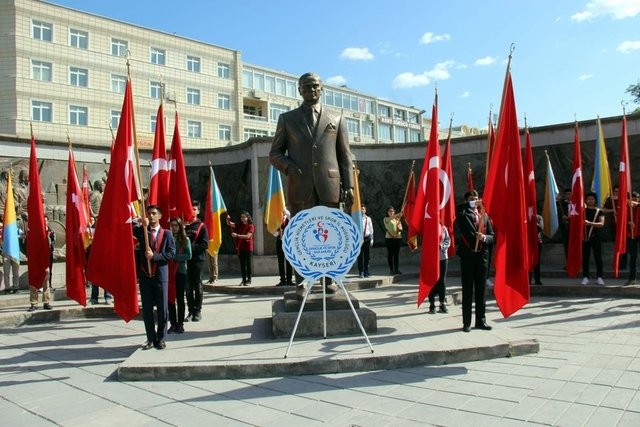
(64, 71)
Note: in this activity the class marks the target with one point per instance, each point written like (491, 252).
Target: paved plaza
(586, 373)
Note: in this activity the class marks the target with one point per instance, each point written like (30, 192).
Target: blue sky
(572, 58)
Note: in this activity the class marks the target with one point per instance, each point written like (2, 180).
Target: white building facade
(64, 71)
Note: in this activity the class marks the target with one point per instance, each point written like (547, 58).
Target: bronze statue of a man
(311, 147)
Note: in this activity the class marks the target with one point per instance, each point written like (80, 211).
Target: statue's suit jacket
(324, 157)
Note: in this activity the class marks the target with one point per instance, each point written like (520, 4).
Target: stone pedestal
(340, 318)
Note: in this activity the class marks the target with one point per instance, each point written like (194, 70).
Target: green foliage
(634, 90)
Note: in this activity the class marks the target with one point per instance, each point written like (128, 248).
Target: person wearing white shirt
(367, 243)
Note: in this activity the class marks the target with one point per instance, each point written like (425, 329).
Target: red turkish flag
(159, 181)
(425, 217)
(532, 208)
(179, 196)
(624, 184)
(112, 263)
(505, 203)
(576, 211)
(37, 238)
(76, 227)
(448, 209)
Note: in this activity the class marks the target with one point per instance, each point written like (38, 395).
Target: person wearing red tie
(153, 274)
(475, 235)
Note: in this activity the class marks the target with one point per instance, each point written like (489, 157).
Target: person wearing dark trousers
(199, 238)
(285, 271)
(633, 239)
(593, 222)
(563, 215)
(440, 287)
(536, 268)
(367, 242)
(393, 239)
(178, 276)
(475, 235)
(243, 236)
(153, 274)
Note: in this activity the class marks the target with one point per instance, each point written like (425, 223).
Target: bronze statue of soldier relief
(311, 147)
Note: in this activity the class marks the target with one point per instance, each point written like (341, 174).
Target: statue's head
(310, 88)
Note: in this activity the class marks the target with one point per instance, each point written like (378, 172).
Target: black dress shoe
(483, 326)
(160, 345)
(47, 306)
(147, 345)
(466, 329)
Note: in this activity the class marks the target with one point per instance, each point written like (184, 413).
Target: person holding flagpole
(475, 235)
(199, 237)
(593, 222)
(633, 239)
(153, 274)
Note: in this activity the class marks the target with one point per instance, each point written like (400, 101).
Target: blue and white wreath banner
(320, 242)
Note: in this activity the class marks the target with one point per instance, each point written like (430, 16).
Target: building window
(353, 127)
(368, 106)
(384, 111)
(193, 96)
(292, 89)
(275, 110)
(414, 135)
(384, 132)
(119, 47)
(194, 129)
(224, 132)
(255, 133)
(258, 81)
(247, 79)
(270, 84)
(157, 56)
(400, 114)
(78, 38)
(78, 76)
(118, 83)
(328, 97)
(400, 135)
(224, 70)
(152, 123)
(281, 87)
(224, 102)
(367, 129)
(193, 64)
(41, 70)
(114, 120)
(155, 90)
(41, 111)
(42, 30)
(78, 115)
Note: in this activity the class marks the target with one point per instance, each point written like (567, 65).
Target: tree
(634, 90)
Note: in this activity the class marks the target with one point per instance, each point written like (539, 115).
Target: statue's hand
(348, 196)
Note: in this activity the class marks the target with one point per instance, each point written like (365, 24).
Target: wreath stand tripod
(321, 281)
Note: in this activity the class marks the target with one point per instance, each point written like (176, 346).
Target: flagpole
(489, 147)
(143, 209)
(406, 190)
(506, 75)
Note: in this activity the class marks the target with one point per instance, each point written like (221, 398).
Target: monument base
(339, 321)
(292, 301)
